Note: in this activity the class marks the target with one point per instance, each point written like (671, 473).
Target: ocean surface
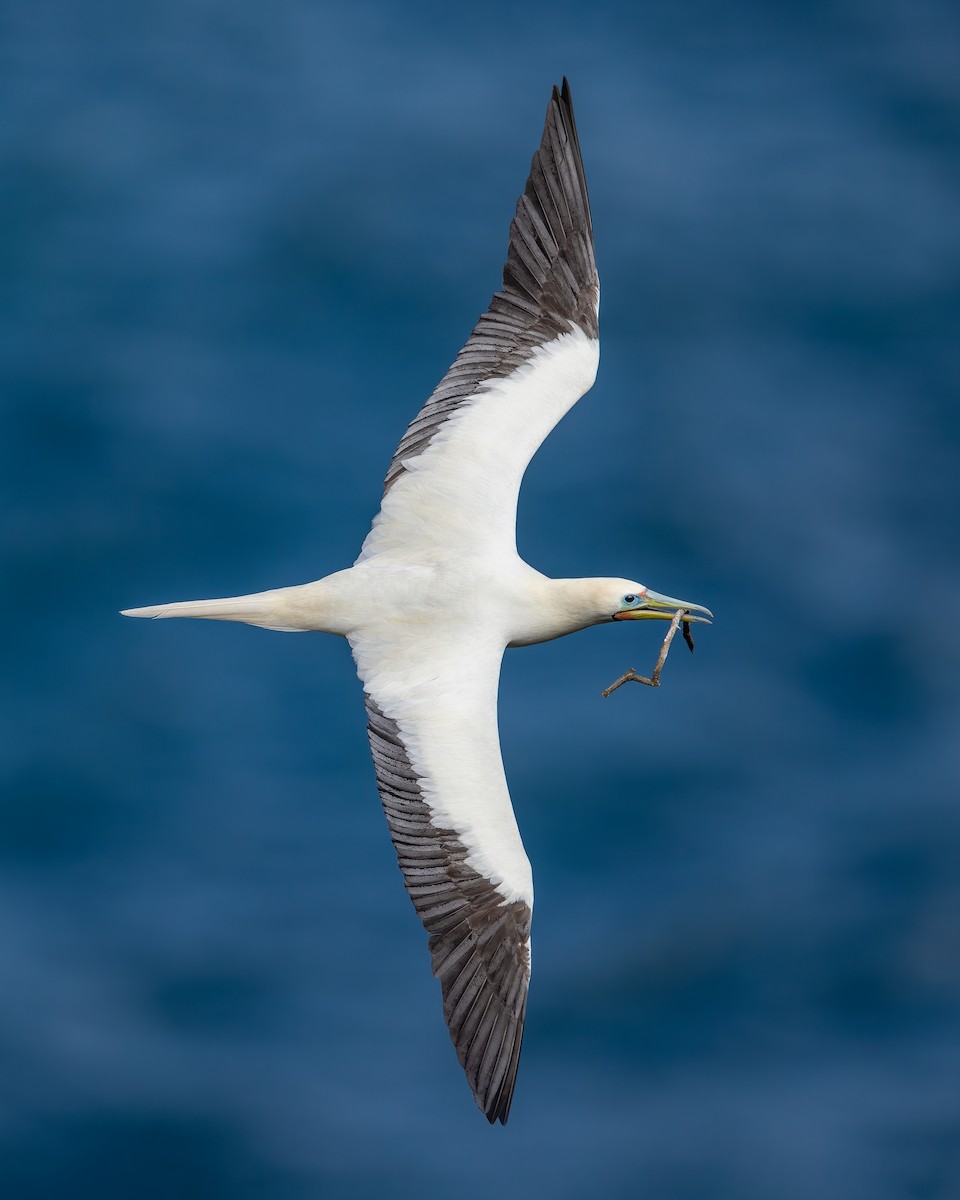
(239, 245)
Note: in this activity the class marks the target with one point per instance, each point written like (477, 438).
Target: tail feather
(265, 609)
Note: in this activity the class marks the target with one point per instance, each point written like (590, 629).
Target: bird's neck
(562, 606)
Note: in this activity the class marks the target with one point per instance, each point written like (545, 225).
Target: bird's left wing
(455, 476)
(432, 721)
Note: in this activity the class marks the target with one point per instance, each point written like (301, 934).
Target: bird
(439, 592)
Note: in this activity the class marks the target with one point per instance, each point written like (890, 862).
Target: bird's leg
(654, 681)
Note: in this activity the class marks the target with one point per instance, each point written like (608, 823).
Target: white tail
(265, 609)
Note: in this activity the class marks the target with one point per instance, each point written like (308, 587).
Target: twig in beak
(654, 681)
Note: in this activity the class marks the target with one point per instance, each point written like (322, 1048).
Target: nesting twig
(654, 681)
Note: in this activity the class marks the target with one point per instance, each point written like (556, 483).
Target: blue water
(239, 244)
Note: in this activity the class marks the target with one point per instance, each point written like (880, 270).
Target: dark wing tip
(499, 1107)
(564, 100)
(483, 962)
(550, 276)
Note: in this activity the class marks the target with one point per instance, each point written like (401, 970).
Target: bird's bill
(663, 608)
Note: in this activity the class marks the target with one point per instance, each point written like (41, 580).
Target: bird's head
(564, 605)
(634, 602)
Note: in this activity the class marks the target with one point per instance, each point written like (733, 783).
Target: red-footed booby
(430, 666)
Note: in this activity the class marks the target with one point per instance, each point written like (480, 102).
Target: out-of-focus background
(240, 243)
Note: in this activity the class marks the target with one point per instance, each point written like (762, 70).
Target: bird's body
(438, 594)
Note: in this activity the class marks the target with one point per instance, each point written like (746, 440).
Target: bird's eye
(630, 599)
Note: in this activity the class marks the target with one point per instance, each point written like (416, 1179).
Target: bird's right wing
(432, 721)
(455, 476)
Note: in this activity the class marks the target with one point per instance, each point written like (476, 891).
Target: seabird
(439, 592)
